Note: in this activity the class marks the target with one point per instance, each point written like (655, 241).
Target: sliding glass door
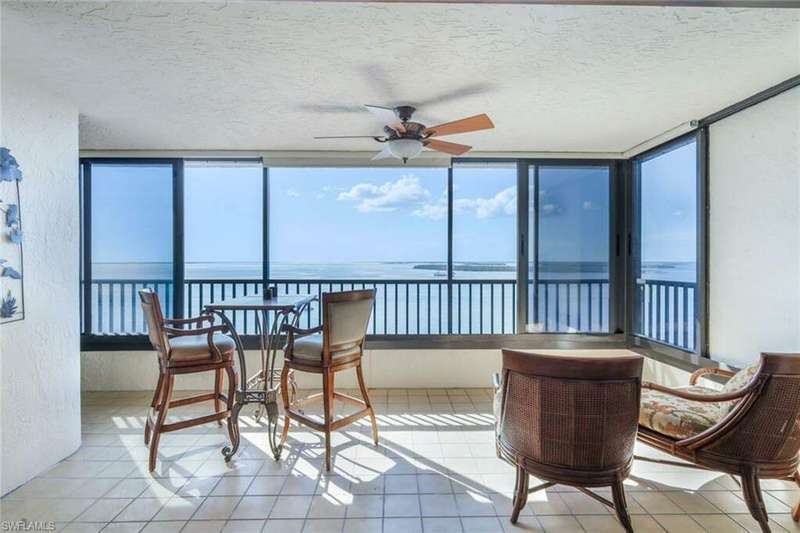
(664, 247)
(568, 259)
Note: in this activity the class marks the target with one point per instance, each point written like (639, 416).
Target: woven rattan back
(768, 430)
(579, 413)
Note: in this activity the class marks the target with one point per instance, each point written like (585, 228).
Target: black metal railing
(569, 306)
(402, 307)
(666, 311)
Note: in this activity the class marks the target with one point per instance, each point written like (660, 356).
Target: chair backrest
(155, 319)
(345, 317)
(575, 412)
(764, 426)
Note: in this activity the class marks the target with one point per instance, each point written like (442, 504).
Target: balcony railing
(666, 311)
(402, 307)
(424, 307)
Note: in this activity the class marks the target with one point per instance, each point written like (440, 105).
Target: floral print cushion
(741, 378)
(677, 417)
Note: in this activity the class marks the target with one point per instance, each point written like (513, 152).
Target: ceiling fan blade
(385, 114)
(383, 154)
(347, 137)
(330, 108)
(447, 147)
(465, 125)
(463, 92)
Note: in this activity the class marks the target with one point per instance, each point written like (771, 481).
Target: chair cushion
(193, 349)
(677, 417)
(309, 348)
(741, 378)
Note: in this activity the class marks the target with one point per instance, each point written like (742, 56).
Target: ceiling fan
(405, 138)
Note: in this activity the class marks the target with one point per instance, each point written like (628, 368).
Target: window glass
(484, 247)
(348, 228)
(131, 239)
(570, 259)
(665, 245)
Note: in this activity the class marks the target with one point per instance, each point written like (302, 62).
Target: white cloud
(502, 203)
(390, 196)
(587, 205)
(431, 211)
(550, 209)
(292, 193)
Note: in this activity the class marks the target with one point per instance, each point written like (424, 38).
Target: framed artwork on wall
(11, 282)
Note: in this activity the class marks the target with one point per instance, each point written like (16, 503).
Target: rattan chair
(751, 428)
(569, 420)
(186, 351)
(336, 345)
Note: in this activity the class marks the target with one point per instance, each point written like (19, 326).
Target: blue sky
(335, 215)
(668, 212)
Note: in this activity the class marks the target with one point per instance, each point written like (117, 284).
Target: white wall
(755, 231)
(138, 370)
(40, 355)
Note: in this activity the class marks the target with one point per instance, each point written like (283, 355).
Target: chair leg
(327, 405)
(365, 395)
(153, 404)
(233, 418)
(217, 393)
(621, 505)
(166, 397)
(751, 490)
(286, 403)
(520, 494)
(796, 509)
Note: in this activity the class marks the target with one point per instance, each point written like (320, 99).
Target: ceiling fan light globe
(405, 149)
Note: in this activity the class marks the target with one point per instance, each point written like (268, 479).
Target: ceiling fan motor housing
(413, 130)
(404, 112)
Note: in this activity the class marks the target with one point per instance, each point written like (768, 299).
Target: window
(223, 230)
(484, 247)
(665, 244)
(241, 227)
(348, 228)
(569, 248)
(131, 243)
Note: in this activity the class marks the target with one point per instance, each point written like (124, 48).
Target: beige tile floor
(435, 471)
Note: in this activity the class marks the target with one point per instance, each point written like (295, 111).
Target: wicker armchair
(751, 428)
(569, 420)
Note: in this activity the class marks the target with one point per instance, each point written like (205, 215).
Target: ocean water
(572, 297)
(668, 271)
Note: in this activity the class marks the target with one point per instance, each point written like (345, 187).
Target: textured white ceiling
(241, 75)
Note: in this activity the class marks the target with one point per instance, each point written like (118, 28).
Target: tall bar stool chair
(336, 345)
(186, 351)
(569, 420)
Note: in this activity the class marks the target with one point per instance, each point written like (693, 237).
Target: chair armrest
(209, 332)
(708, 398)
(294, 331)
(174, 332)
(700, 372)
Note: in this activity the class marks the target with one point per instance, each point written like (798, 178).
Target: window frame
(615, 257)
(614, 338)
(648, 344)
(90, 341)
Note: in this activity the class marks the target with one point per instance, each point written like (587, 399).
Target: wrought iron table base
(263, 387)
